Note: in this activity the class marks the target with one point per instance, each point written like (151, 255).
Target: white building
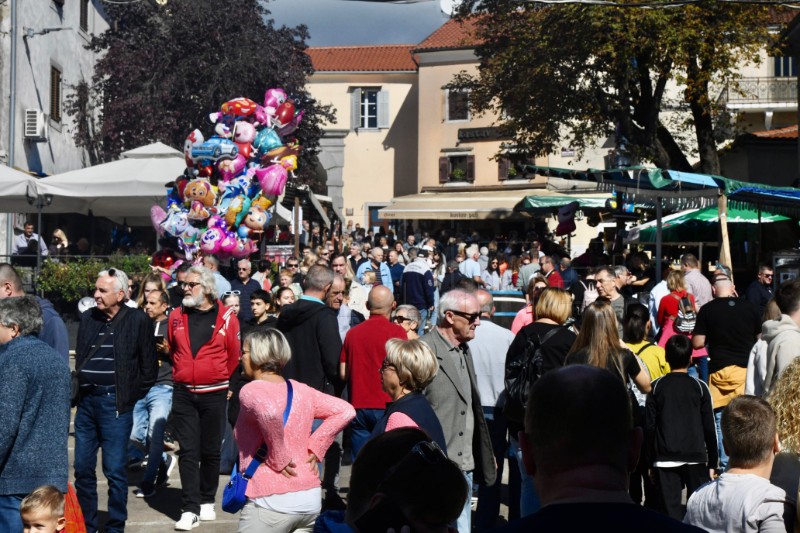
(43, 56)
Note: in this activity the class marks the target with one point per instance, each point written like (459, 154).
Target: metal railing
(768, 90)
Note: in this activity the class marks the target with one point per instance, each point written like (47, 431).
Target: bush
(69, 281)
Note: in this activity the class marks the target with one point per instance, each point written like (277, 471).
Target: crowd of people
(610, 396)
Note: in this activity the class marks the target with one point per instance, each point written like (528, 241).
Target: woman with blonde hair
(59, 245)
(408, 368)
(274, 422)
(598, 344)
(785, 401)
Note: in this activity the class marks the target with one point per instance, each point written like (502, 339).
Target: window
(370, 109)
(457, 105)
(785, 67)
(457, 168)
(84, 19)
(55, 94)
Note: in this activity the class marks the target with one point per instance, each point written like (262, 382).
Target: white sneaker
(207, 512)
(187, 522)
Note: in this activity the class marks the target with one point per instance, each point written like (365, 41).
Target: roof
(789, 132)
(378, 58)
(452, 35)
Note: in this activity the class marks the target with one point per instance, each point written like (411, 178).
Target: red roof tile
(453, 34)
(380, 58)
(789, 132)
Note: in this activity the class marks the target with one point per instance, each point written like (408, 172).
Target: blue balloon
(267, 139)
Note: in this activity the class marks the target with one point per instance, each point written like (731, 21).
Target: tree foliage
(572, 74)
(163, 69)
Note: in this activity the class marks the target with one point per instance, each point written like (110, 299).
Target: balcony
(762, 94)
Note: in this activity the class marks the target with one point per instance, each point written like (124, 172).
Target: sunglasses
(190, 284)
(400, 319)
(292, 265)
(469, 317)
(385, 365)
(234, 293)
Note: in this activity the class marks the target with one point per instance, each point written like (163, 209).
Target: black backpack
(521, 373)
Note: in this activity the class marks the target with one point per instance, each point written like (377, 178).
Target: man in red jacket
(205, 346)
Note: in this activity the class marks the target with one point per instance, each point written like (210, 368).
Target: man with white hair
(470, 266)
(223, 285)
(454, 396)
(383, 276)
(245, 285)
(116, 359)
(205, 344)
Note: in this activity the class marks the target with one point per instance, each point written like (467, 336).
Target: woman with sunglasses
(493, 279)
(408, 368)
(407, 316)
(527, 314)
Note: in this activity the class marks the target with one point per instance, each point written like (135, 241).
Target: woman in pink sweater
(284, 494)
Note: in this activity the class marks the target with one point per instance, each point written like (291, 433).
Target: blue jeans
(700, 368)
(362, 426)
(723, 457)
(149, 419)
(9, 513)
(423, 319)
(97, 425)
(489, 497)
(464, 520)
(529, 498)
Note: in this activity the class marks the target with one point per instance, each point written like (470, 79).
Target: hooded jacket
(783, 339)
(312, 330)
(416, 285)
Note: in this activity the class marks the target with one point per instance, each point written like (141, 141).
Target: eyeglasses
(767, 275)
(243, 269)
(292, 265)
(190, 284)
(400, 319)
(386, 365)
(229, 293)
(469, 317)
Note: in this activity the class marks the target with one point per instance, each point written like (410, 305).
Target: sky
(354, 22)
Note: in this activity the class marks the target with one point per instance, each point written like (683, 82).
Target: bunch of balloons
(226, 196)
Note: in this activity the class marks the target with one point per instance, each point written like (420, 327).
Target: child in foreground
(42, 511)
(742, 498)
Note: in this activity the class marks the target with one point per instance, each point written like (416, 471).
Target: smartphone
(382, 517)
(159, 339)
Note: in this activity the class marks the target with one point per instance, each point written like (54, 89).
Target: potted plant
(458, 174)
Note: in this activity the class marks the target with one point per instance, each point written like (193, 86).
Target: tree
(572, 74)
(164, 69)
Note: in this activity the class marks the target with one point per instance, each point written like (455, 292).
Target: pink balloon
(230, 168)
(211, 241)
(272, 179)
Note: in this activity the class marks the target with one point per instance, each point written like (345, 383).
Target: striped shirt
(99, 370)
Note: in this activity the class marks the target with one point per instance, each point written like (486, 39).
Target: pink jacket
(261, 420)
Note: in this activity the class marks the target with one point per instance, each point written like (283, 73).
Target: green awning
(597, 201)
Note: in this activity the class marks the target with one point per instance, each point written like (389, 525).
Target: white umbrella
(125, 188)
(15, 189)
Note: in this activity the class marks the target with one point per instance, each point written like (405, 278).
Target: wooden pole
(297, 225)
(725, 245)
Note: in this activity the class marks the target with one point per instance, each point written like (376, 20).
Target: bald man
(362, 356)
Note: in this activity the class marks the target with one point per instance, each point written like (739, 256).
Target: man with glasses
(363, 352)
(246, 286)
(759, 293)
(293, 265)
(454, 396)
(204, 338)
(116, 354)
(605, 279)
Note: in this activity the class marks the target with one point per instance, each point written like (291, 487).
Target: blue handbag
(233, 496)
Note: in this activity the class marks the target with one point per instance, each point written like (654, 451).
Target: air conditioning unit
(35, 125)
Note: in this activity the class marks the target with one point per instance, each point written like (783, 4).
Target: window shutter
(502, 169)
(444, 170)
(383, 109)
(470, 168)
(355, 110)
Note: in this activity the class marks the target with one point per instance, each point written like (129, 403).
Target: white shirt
(658, 292)
(488, 350)
(21, 242)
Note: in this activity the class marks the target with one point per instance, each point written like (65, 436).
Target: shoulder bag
(233, 496)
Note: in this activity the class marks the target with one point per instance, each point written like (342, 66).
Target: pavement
(159, 513)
